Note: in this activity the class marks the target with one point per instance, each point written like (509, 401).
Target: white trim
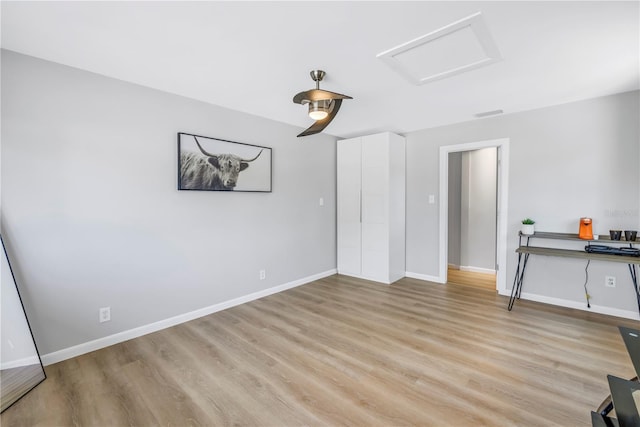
(25, 361)
(626, 314)
(370, 279)
(477, 269)
(77, 350)
(426, 277)
(357, 276)
(453, 266)
(503, 202)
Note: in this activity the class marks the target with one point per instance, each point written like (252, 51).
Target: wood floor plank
(471, 278)
(344, 351)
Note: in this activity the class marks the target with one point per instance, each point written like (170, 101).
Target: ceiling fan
(323, 105)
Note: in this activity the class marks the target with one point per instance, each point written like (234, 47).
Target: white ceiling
(254, 56)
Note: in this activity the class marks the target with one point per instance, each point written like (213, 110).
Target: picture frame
(212, 164)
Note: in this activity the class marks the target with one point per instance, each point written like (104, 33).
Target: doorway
(500, 231)
(472, 213)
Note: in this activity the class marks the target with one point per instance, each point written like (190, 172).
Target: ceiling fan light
(319, 110)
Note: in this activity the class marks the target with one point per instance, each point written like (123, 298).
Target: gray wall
(92, 217)
(567, 161)
(454, 211)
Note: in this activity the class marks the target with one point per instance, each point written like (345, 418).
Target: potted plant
(527, 226)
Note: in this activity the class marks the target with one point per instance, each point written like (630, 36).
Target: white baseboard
(77, 350)
(453, 266)
(371, 279)
(426, 277)
(626, 314)
(360, 276)
(25, 361)
(477, 269)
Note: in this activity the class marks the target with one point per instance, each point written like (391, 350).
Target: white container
(527, 229)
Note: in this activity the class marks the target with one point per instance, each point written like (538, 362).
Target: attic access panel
(461, 46)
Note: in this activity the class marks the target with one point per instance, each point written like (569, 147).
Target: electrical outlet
(105, 314)
(263, 274)
(321, 201)
(610, 281)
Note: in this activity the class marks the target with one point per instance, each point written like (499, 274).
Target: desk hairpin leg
(518, 279)
(516, 289)
(634, 279)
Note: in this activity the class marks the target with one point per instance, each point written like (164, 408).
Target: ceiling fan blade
(317, 95)
(319, 125)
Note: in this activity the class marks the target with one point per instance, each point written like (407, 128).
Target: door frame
(502, 146)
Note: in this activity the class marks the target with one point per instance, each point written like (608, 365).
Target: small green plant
(528, 221)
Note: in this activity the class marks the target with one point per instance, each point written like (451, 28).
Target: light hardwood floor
(470, 278)
(343, 351)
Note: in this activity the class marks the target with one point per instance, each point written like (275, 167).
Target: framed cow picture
(211, 164)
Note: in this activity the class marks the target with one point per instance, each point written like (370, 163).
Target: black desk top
(597, 420)
(631, 339)
(622, 394)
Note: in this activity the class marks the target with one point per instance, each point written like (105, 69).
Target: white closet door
(375, 189)
(397, 202)
(349, 209)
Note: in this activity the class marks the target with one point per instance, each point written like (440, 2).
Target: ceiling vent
(489, 113)
(461, 46)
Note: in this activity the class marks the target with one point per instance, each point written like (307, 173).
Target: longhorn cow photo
(212, 164)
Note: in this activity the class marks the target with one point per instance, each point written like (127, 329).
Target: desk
(631, 339)
(525, 250)
(623, 395)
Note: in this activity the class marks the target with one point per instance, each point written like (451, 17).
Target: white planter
(527, 229)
